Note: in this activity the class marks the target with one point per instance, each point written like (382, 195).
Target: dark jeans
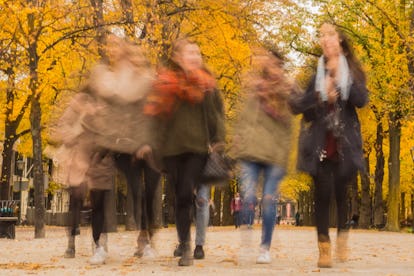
(328, 180)
(183, 172)
(142, 182)
(97, 198)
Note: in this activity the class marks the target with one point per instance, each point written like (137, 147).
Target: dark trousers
(183, 172)
(77, 195)
(97, 198)
(327, 180)
(142, 182)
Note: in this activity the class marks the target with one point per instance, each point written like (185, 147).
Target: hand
(331, 89)
(218, 147)
(144, 151)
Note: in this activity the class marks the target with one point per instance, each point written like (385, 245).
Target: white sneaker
(99, 257)
(149, 252)
(264, 257)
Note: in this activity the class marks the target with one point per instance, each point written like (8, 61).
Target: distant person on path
(262, 137)
(330, 144)
(297, 218)
(236, 208)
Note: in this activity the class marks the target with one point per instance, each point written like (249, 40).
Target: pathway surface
(228, 252)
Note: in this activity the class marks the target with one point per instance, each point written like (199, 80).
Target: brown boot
(342, 247)
(142, 241)
(187, 256)
(324, 254)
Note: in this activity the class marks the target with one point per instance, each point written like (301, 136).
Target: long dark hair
(354, 65)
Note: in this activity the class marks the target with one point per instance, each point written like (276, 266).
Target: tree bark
(218, 205)
(6, 168)
(35, 125)
(128, 14)
(379, 176)
(394, 173)
(365, 209)
(227, 218)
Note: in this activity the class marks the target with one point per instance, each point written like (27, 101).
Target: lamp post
(20, 166)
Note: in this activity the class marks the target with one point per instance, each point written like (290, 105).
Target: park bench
(8, 220)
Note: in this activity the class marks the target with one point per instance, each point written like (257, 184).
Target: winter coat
(312, 138)
(260, 137)
(192, 126)
(101, 172)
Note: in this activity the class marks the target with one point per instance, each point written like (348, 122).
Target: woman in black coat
(330, 144)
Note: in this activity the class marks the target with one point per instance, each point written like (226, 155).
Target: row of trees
(47, 47)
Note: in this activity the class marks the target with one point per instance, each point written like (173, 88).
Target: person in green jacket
(189, 107)
(262, 137)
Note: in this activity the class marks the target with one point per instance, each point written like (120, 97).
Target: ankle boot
(325, 259)
(187, 256)
(342, 247)
(70, 251)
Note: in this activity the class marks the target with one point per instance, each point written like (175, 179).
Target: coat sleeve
(307, 103)
(358, 95)
(216, 118)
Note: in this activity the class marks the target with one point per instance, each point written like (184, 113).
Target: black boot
(178, 251)
(198, 252)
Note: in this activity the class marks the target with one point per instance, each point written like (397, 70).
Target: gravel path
(228, 252)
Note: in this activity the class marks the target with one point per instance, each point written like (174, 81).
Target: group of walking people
(149, 123)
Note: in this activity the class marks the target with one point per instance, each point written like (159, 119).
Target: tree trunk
(35, 125)
(38, 178)
(128, 16)
(394, 173)
(379, 177)
(98, 20)
(10, 134)
(157, 205)
(6, 168)
(130, 224)
(365, 209)
(403, 207)
(218, 205)
(170, 198)
(227, 218)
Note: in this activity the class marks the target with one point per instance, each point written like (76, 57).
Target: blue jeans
(249, 177)
(202, 213)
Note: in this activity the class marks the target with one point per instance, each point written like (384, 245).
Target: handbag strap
(206, 126)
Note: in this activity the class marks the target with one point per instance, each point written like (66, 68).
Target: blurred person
(142, 182)
(330, 145)
(236, 207)
(187, 103)
(103, 118)
(100, 179)
(121, 126)
(262, 137)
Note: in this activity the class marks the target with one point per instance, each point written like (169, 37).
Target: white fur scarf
(344, 83)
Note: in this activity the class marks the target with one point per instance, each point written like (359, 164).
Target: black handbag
(218, 169)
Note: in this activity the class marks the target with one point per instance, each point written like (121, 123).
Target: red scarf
(172, 86)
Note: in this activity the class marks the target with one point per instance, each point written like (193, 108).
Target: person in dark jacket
(330, 143)
(189, 107)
